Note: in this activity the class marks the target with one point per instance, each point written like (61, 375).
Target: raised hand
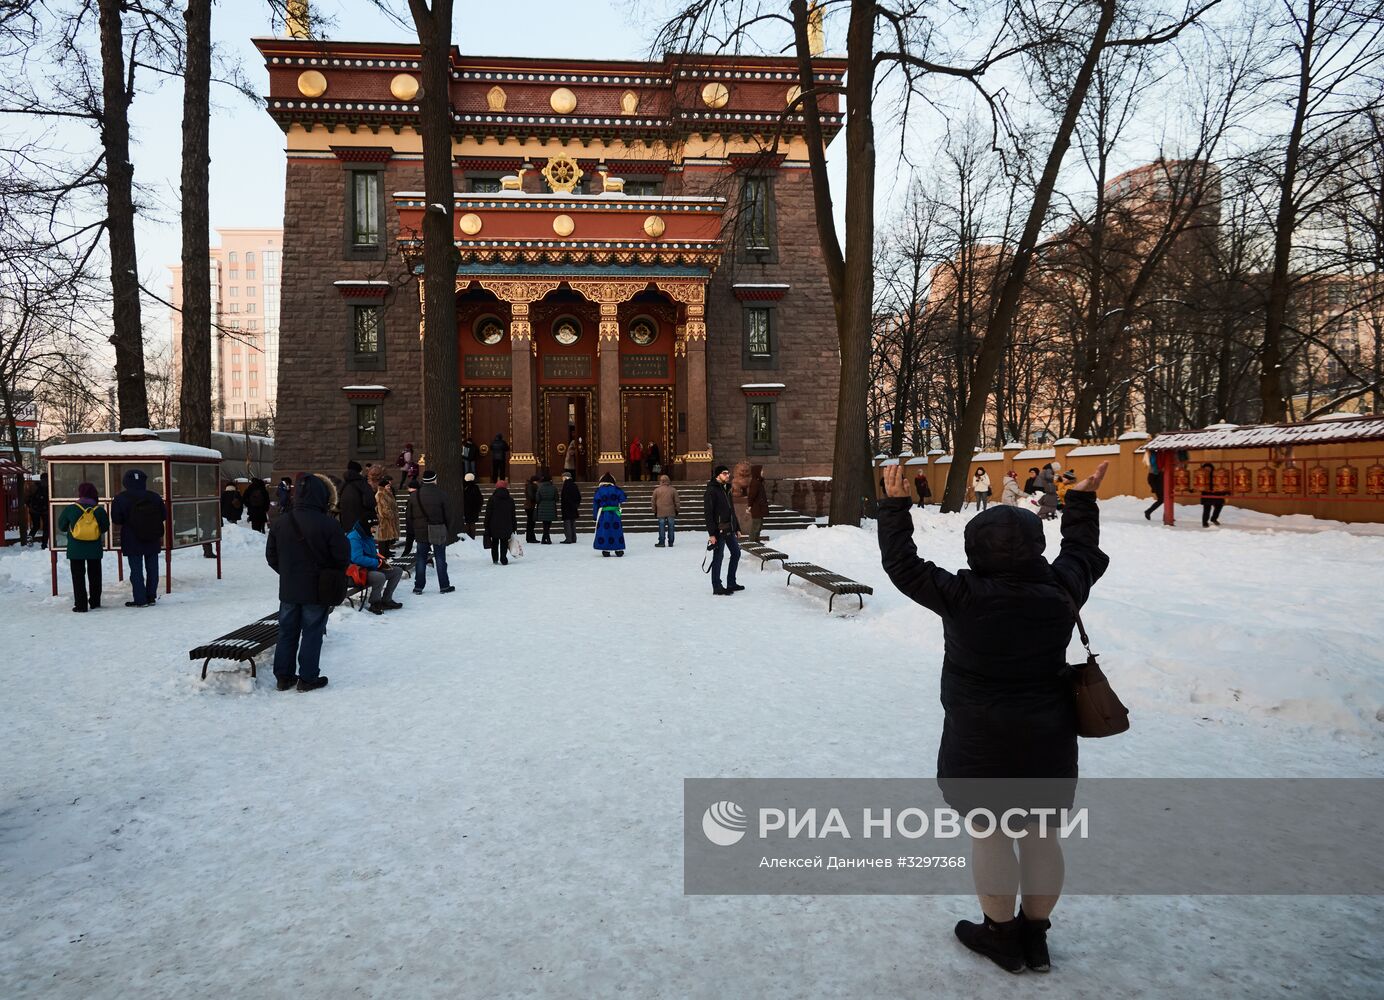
(895, 482)
(1092, 482)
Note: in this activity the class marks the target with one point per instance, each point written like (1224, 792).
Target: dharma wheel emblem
(562, 173)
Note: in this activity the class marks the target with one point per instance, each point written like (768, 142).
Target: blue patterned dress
(605, 508)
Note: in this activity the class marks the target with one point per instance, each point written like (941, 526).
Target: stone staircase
(638, 512)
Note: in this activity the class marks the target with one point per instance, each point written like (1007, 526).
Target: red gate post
(1166, 461)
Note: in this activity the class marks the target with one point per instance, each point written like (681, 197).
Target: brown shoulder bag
(1099, 711)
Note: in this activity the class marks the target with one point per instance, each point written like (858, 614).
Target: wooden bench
(245, 643)
(834, 583)
(765, 554)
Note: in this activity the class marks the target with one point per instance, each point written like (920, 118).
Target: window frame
(747, 251)
(353, 430)
(759, 362)
(351, 249)
(771, 447)
(495, 176)
(360, 361)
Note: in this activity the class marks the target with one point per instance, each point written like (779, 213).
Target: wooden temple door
(567, 415)
(488, 414)
(645, 415)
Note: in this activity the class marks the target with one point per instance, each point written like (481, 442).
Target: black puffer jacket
(356, 502)
(717, 508)
(322, 545)
(571, 500)
(471, 501)
(1006, 623)
(500, 518)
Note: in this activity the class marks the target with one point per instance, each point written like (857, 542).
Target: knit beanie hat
(353, 466)
(718, 470)
(430, 476)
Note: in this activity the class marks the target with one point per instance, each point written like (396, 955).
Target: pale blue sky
(247, 161)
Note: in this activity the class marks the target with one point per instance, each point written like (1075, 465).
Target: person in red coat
(636, 460)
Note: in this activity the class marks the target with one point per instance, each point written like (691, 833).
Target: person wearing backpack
(309, 551)
(140, 513)
(84, 523)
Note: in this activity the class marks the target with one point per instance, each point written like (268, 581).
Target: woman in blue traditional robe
(605, 508)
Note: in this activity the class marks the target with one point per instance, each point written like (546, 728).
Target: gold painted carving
(495, 99)
(608, 293)
(470, 223)
(688, 293)
(562, 173)
(715, 95)
(654, 227)
(312, 83)
(563, 101)
(629, 102)
(518, 292)
(404, 87)
(563, 225)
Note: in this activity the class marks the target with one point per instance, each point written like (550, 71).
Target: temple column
(520, 294)
(679, 430)
(611, 457)
(608, 294)
(522, 462)
(697, 459)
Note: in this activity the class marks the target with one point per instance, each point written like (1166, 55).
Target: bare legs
(1000, 875)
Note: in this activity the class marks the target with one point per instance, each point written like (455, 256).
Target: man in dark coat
(38, 511)
(141, 515)
(500, 522)
(471, 501)
(356, 500)
(722, 530)
(499, 459)
(470, 452)
(431, 517)
(1006, 623)
(571, 508)
(304, 542)
(257, 504)
(232, 504)
(284, 494)
(530, 502)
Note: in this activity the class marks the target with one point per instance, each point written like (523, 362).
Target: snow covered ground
(486, 801)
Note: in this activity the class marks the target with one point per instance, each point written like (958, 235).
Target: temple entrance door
(567, 411)
(645, 414)
(488, 414)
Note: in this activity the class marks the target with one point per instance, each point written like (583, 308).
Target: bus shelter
(185, 476)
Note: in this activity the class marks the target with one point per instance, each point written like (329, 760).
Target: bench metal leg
(204, 667)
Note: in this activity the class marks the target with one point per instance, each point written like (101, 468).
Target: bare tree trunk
(194, 400)
(128, 334)
(1272, 397)
(1001, 323)
(441, 388)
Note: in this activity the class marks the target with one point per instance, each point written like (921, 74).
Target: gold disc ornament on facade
(563, 101)
(495, 99)
(562, 173)
(404, 87)
(470, 223)
(563, 225)
(312, 83)
(715, 95)
(654, 227)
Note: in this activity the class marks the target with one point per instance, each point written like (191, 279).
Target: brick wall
(313, 429)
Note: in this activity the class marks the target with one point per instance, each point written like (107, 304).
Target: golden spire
(297, 18)
(816, 33)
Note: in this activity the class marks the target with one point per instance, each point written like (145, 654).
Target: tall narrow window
(367, 330)
(365, 219)
(757, 332)
(761, 426)
(755, 206)
(367, 428)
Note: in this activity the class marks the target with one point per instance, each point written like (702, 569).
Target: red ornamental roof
(1333, 431)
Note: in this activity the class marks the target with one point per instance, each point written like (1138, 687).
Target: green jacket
(83, 550)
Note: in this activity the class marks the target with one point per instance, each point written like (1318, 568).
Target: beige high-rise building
(245, 327)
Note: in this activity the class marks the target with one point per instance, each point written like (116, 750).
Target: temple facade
(636, 256)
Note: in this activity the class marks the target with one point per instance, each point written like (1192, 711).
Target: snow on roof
(764, 385)
(362, 282)
(988, 456)
(131, 449)
(744, 284)
(364, 388)
(1360, 428)
(944, 460)
(1036, 453)
(1065, 442)
(1012, 446)
(1133, 436)
(1094, 449)
(920, 460)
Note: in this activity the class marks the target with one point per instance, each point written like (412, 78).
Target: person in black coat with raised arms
(500, 522)
(356, 500)
(257, 504)
(1010, 712)
(304, 542)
